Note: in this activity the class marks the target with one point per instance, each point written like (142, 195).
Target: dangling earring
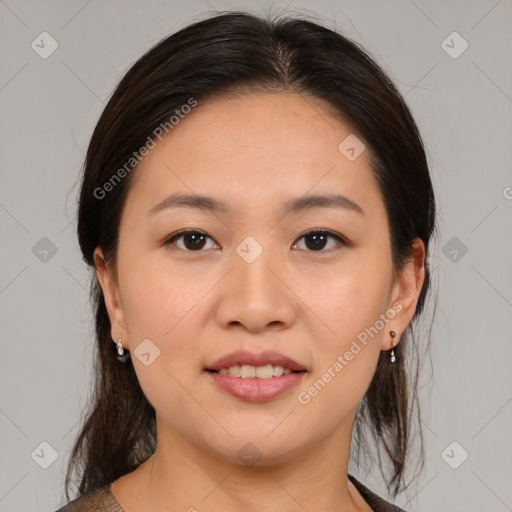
(393, 335)
(122, 357)
(119, 346)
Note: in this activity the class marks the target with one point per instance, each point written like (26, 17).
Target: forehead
(286, 124)
(255, 146)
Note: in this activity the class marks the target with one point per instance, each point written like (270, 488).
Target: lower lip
(257, 390)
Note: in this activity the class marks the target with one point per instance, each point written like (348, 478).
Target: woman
(257, 207)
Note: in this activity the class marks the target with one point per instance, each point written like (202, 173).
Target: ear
(112, 298)
(405, 293)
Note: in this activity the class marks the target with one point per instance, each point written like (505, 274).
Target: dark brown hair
(230, 53)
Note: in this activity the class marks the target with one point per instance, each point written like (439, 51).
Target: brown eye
(192, 240)
(317, 240)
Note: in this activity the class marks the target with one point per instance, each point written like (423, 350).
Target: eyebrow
(206, 203)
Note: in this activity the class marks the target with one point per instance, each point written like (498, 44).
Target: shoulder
(377, 503)
(100, 499)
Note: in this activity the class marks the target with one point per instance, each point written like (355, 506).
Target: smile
(246, 371)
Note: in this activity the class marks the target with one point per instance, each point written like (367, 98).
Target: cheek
(161, 306)
(166, 306)
(159, 299)
(167, 389)
(354, 308)
(354, 300)
(345, 361)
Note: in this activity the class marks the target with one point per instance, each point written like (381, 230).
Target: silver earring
(122, 356)
(119, 346)
(393, 357)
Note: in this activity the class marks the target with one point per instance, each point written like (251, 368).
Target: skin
(253, 152)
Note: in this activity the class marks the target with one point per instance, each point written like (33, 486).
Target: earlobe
(111, 295)
(406, 292)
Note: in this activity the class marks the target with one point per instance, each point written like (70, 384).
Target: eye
(318, 238)
(193, 240)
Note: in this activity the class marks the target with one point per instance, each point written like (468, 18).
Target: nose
(255, 295)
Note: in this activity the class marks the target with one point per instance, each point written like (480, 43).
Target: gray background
(463, 106)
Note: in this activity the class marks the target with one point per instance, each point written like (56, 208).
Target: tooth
(247, 372)
(234, 371)
(278, 371)
(265, 372)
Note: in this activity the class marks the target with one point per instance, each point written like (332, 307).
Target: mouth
(256, 377)
(246, 371)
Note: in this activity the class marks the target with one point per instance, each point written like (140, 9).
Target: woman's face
(254, 282)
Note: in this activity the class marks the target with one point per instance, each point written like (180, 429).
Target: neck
(185, 477)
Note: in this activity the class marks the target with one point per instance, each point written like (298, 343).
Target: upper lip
(244, 357)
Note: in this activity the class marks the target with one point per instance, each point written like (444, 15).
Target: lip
(244, 357)
(257, 390)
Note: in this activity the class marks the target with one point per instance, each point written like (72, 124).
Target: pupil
(319, 239)
(194, 236)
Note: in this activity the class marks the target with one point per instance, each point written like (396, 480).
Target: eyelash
(343, 241)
